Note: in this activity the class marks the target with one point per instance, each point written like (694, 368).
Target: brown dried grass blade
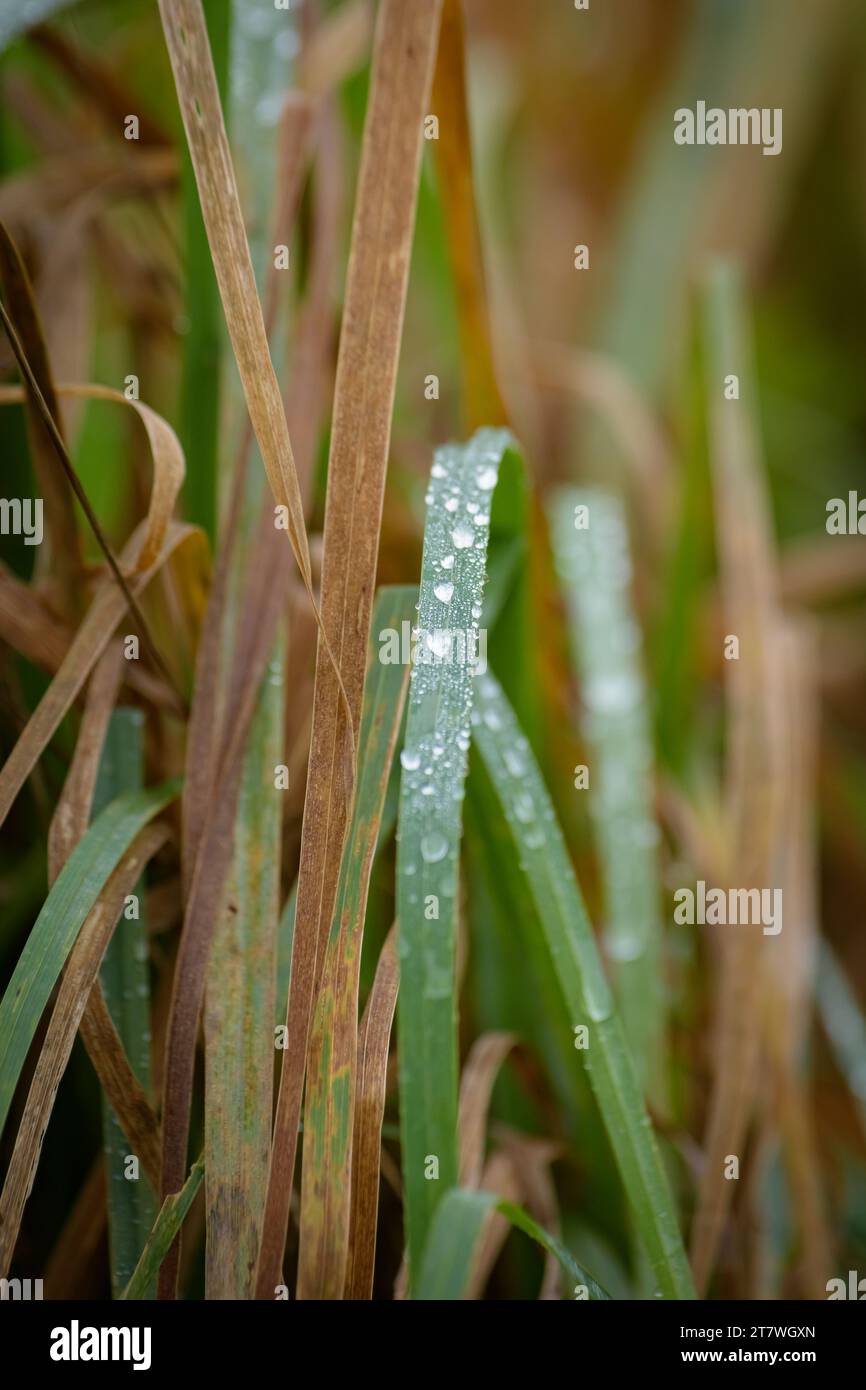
(476, 1087)
(374, 1040)
(72, 815)
(81, 971)
(789, 979)
(745, 548)
(90, 641)
(189, 51)
(453, 151)
(63, 554)
(123, 1090)
(33, 630)
(366, 377)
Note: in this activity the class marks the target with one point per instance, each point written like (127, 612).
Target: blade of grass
(752, 767)
(429, 830)
(788, 1002)
(72, 898)
(333, 1046)
(172, 1215)
(374, 1040)
(476, 1087)
(73, 810)
(454, 1240)
(81, 971)
(125, 976)
(595, 571)
(482, 403)
(200, 383)
(62, 555)
(94, 634)
(122, 1089)
(567, 932)
(239, 1052)
(198, 95)
(364, 394)
(843, 1022)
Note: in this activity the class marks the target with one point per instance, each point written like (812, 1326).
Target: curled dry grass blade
(434, 771)
(333, 1047)
(570, 942)
(166, 457)
(162, 497)
(80, 972)
(374, 1039)
(595, 570)
(745, 547)
(360, 433)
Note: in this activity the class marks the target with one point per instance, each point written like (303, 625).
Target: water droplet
(438, 642)
(462, 536)
(447, 562)
(492, 719)
(443, 591)
(487, 479)
(410, 759)
(472, 508)
(437, 471)
(451, 504)
(514, 762)
(434, 847)
(524, 808)
(612, 694)
(268, 108)
(481, 519)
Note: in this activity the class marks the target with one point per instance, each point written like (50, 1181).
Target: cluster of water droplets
(434, 758)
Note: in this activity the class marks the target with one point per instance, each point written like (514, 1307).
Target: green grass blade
(200, 384)
(539, 844)
(125, 977)
(595, 570)
(524, 1222)
(54, 933)
(452, 1245)
(839, 1011)
(240, 1000)
(332, 1065)
(172, 1215)
(429, 824)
